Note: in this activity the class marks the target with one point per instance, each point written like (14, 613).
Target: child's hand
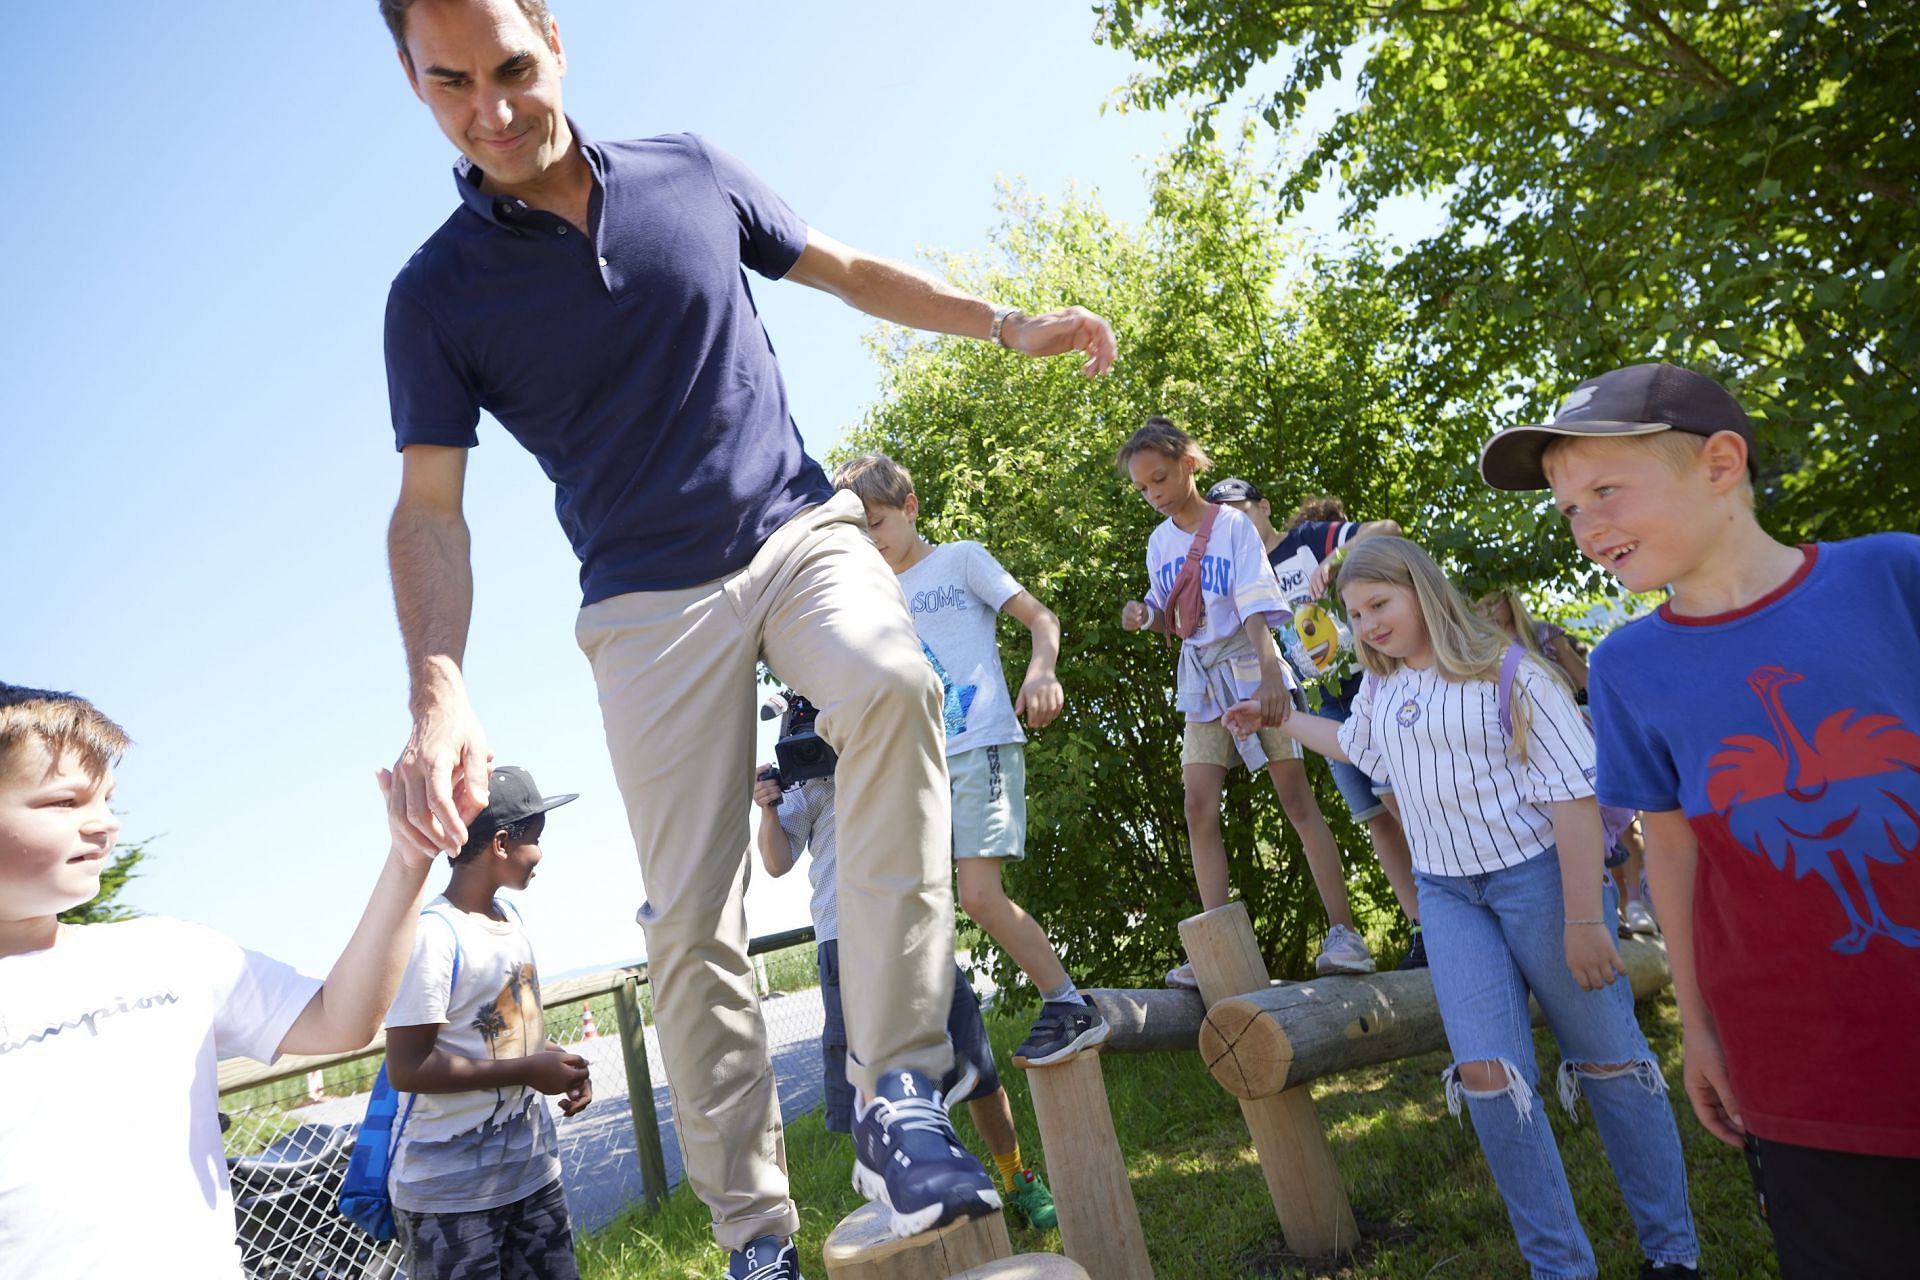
(577, 1099)
(766, 791)
(1591, 955)
(1274, 701)
(1041, 699)
(408, 849)
(554, 1071)
(1134, 615)
(1243, 719)
(1317, 580)
(1705, 1074)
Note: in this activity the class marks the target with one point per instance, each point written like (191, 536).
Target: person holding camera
(797, 817)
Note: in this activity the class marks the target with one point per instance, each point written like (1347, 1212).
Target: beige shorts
(1208, 742)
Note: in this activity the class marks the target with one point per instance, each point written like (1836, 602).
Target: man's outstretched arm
(898, 293)
(440, 779)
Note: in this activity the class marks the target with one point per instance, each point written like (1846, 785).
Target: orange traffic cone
(587, 1030)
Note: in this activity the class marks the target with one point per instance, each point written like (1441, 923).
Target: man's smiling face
(492, 81)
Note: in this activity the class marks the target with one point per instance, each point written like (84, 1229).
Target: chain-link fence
(290, 1129)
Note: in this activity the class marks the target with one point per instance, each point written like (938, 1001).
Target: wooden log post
(1099, 1223)
(863, 1247)
(1308, 1196)
(1163, 1020)
(1266, 1041)
(1027, 1266)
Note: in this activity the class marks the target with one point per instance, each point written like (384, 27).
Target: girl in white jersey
(1507, 842)
(1227, 653)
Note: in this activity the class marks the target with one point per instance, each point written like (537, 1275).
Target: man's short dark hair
(394, 14)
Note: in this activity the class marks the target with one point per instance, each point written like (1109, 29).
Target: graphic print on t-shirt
(1810, 806)
(956, 700)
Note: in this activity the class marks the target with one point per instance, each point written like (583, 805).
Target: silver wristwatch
(1000, 315)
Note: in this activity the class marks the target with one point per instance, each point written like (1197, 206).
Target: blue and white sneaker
(906, 1156)
(767, 1258)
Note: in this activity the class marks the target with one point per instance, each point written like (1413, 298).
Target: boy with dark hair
(956, 592)
(1780, 793)
(1302, 559)
(80, 1007)
(799, 819)
(476, 1169)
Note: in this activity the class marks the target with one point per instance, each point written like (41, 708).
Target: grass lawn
(1415, 1175)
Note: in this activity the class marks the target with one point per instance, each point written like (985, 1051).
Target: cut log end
(863, 1247)
(1028, 1266)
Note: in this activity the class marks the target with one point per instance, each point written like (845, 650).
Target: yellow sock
(1009, 1167)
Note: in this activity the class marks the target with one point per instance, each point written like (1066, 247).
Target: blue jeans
(1492, 939)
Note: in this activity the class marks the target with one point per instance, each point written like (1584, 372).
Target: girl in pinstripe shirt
(1507, 847)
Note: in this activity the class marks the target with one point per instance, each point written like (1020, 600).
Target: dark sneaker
(1667, 1271)
(1416, 957)
(768, 1258)
(905, 1155)
(1031, 1200)
(1064, 1028)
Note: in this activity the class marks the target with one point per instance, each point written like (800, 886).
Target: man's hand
(1705, 1075)
(1134, 615)
(1592, 956)
(554, 1071)
(1040, 700)
(440, 781)
(766, 791)
(1057, 332)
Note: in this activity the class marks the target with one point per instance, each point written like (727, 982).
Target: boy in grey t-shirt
(476, 1169)
(956, 592)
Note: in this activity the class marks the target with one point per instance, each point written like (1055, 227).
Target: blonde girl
(1506, 840)
(1505, 609)
(1230, 655)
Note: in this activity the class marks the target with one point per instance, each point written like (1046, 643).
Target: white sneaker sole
(1085, 1040)
(1328, 967)
(873, 1186)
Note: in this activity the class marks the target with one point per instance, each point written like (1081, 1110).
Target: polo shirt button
(559, 231)
(603, 262)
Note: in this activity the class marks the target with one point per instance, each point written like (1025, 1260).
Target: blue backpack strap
(1509, 668)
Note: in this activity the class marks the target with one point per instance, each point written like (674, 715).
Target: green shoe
(1032, 1199)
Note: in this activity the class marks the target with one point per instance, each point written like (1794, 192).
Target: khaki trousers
(675, 671)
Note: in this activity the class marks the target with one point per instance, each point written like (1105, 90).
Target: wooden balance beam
(863, 1247)
(1264, 1042)
(1099, 1223)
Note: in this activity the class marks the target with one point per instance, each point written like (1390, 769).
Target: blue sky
(202, 238)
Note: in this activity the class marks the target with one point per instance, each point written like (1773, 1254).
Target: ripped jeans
(1492, 939)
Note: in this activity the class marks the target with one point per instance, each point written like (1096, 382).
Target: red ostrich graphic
(1803, 802)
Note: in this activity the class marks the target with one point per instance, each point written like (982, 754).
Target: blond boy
(1765, 720)
(111, 1160)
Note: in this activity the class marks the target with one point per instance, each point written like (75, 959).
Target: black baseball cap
(1234, 489)
(1635, 401)
(512, 797)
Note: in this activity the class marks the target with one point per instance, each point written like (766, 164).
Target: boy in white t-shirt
(956, 592)
(84, 1011)
(476, 1170)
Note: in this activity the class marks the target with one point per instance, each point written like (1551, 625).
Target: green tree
(1279, 377)
(1725, 185)
(106, 905)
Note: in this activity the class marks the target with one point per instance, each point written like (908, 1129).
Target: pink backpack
(1185, 603)
(1613, 821)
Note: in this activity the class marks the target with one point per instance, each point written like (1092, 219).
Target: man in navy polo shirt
(591, 297)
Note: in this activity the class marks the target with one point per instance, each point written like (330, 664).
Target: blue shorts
(1362, 794)
(964, 1028)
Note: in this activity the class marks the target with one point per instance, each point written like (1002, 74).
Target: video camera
(800, 750)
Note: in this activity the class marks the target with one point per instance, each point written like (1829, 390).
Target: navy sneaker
(1064, 1028)
(1416, 957)
(768, 1258)
(905, 1155)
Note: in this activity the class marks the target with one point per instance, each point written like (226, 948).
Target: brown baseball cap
(1635, 401)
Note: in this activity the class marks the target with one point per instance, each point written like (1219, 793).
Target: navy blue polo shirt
(631, 362)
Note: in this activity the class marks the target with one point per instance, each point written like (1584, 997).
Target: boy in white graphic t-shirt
(956, 592)
(476, 1171)
(81, 1007)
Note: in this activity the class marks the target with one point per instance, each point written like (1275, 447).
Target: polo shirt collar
(503, 211)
